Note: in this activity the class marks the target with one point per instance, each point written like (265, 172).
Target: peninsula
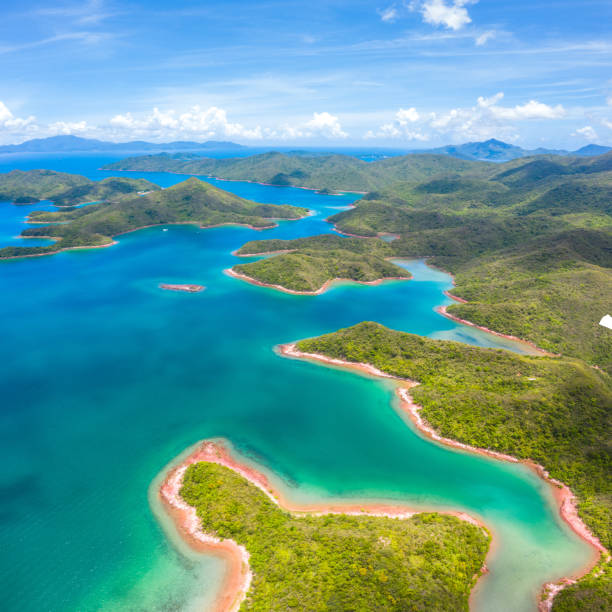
(26, 187)
(375, 557)
(190, 202)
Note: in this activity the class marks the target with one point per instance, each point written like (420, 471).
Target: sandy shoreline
(443, 310)
(564, 498)
(448, 294)
(239, 577)
(327, 285)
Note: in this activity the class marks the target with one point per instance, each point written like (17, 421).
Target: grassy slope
(109, 189)
(315, 260)
(192, 201)
(336, 562)
(487, 398)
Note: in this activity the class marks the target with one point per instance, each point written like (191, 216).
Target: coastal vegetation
(64, 189)
(337, 562)
(344, 172)
(534, 270)
(307, 264)
(530, 246)
(192, 201)
(315, 171)
(554, 411)
(529, 243)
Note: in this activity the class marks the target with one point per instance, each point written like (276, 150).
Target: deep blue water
(106, 378)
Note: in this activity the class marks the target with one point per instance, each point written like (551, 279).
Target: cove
(107, 378)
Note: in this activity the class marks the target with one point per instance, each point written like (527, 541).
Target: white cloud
(197, 122)
(607, 123)
(388, 15)
(452, 16)
(92, 11)
(326, 125)
(485, 37)
(69, 127)
(11, 123)
(214, 123)
(400, 127)
(487, 119)
(404, 116)
(586, 132)
(531, 110)
(609, 101)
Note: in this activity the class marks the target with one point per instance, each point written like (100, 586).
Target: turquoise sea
(105, 379)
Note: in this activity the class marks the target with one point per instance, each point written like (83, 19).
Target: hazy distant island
(496, 150)
(489, 150)
(76, 144)
(190, 202)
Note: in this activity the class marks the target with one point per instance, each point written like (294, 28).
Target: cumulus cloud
(69, 127)
(409, 115)
(453, 16)
(213, 122)
(587, 132)
(326, 125)
(11, 123)
(607, 123)
(322, 125)
(400, 127)
(163, 125)
(486, 119)
(196, 122)
(531, 110)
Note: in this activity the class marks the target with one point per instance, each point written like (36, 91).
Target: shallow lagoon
(107, 378)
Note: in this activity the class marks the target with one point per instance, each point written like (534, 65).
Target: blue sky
(408, 74)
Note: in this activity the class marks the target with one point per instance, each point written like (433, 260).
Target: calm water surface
(106, 379)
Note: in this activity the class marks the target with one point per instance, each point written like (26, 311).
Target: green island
(337, 562)
(332, 172)
(306, 264)
(554, 411)
(26, 187)
(192, 201)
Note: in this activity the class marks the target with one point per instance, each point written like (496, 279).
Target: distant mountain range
(498, 151)
(70, 144)
(489, 150)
